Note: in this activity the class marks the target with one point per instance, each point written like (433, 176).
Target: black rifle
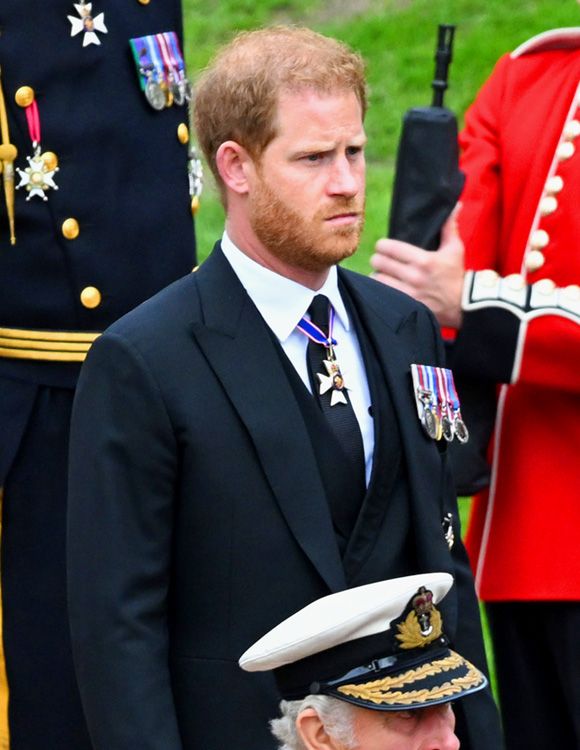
(428, 181)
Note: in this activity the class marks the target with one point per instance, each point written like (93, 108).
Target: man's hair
(237, 95)
(335, 715)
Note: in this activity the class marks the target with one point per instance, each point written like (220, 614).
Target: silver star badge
(333, 380)
(37, 178)
(87, 23)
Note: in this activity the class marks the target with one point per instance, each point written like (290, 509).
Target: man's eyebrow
(320, 147)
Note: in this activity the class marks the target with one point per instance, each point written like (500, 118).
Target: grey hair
(336, 716)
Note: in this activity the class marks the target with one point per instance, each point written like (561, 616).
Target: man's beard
(304, 243)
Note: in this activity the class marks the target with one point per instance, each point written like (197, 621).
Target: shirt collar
(267, 288)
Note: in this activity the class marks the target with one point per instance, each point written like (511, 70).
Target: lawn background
(397, 39)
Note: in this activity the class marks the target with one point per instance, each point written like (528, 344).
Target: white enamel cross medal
(38, 177)
(88, 23)
(333, 379)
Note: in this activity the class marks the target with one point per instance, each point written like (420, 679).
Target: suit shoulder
(168, 311)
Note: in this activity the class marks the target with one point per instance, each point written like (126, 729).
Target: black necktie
(341, 417)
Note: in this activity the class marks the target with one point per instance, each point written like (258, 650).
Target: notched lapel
(238, 347)
(399, 343)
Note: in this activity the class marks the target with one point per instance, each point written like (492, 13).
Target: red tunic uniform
(521, 218)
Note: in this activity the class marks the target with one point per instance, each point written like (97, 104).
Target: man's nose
(440, 731)
(345, 178)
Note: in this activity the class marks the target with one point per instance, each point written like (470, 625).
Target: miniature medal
(447, 429)
(429, 419)
(154, 92)
(460, 428)
(88, 23)
(194, 163)
(448, 533)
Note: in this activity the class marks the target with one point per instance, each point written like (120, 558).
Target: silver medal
(461, 431)
(155, 94)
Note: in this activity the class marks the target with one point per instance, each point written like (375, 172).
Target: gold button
(144, 2)
(535, 259)
(540, 238)
(70, 229)
(545, 286)
(50, 160)
(182, 133)
(554, 184)
(548, 205)
(24, 96)
(565, 150)
(91, 297)
(572, 130)
(515, 281)
(194, 205)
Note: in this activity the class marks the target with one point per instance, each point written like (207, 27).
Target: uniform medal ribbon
(161, 68)
(177, 57)
(143, 60)
(168, 73)
(459, 425)
(444, 405)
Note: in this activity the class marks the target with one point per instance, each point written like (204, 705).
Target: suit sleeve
(511, 332)
(122, 477)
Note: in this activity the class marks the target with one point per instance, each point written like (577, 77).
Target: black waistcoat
(385, 516)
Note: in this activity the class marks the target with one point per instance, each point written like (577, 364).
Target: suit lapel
(238, 346)
(396, 341)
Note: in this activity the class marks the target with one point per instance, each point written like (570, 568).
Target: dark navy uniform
(118, 229)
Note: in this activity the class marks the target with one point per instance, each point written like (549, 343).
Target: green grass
(397, 39)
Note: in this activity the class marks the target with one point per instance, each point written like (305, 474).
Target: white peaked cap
(339, 618)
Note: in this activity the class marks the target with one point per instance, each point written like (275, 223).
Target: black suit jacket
(198, 518)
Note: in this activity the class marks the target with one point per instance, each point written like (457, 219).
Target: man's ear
(234, 164)
(312, 732)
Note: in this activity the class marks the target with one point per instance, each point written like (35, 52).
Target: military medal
(448, 533)
(88, 23)
(424, 398)
(333, 380)
(154, 93)
(447, 428)
(461, 431)
(173, 66)
(194, 163)
(436, 401)
(38, 177)
(161, 69)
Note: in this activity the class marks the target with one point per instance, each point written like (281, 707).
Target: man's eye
(353, 150)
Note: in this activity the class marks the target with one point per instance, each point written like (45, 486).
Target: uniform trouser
(537, 654)
(44, 708)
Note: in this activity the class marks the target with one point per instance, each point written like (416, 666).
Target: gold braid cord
(410, 635)
(379, 691)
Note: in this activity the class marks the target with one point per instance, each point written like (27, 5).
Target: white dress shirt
(282, 303)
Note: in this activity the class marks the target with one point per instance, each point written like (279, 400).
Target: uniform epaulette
(566, 38)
